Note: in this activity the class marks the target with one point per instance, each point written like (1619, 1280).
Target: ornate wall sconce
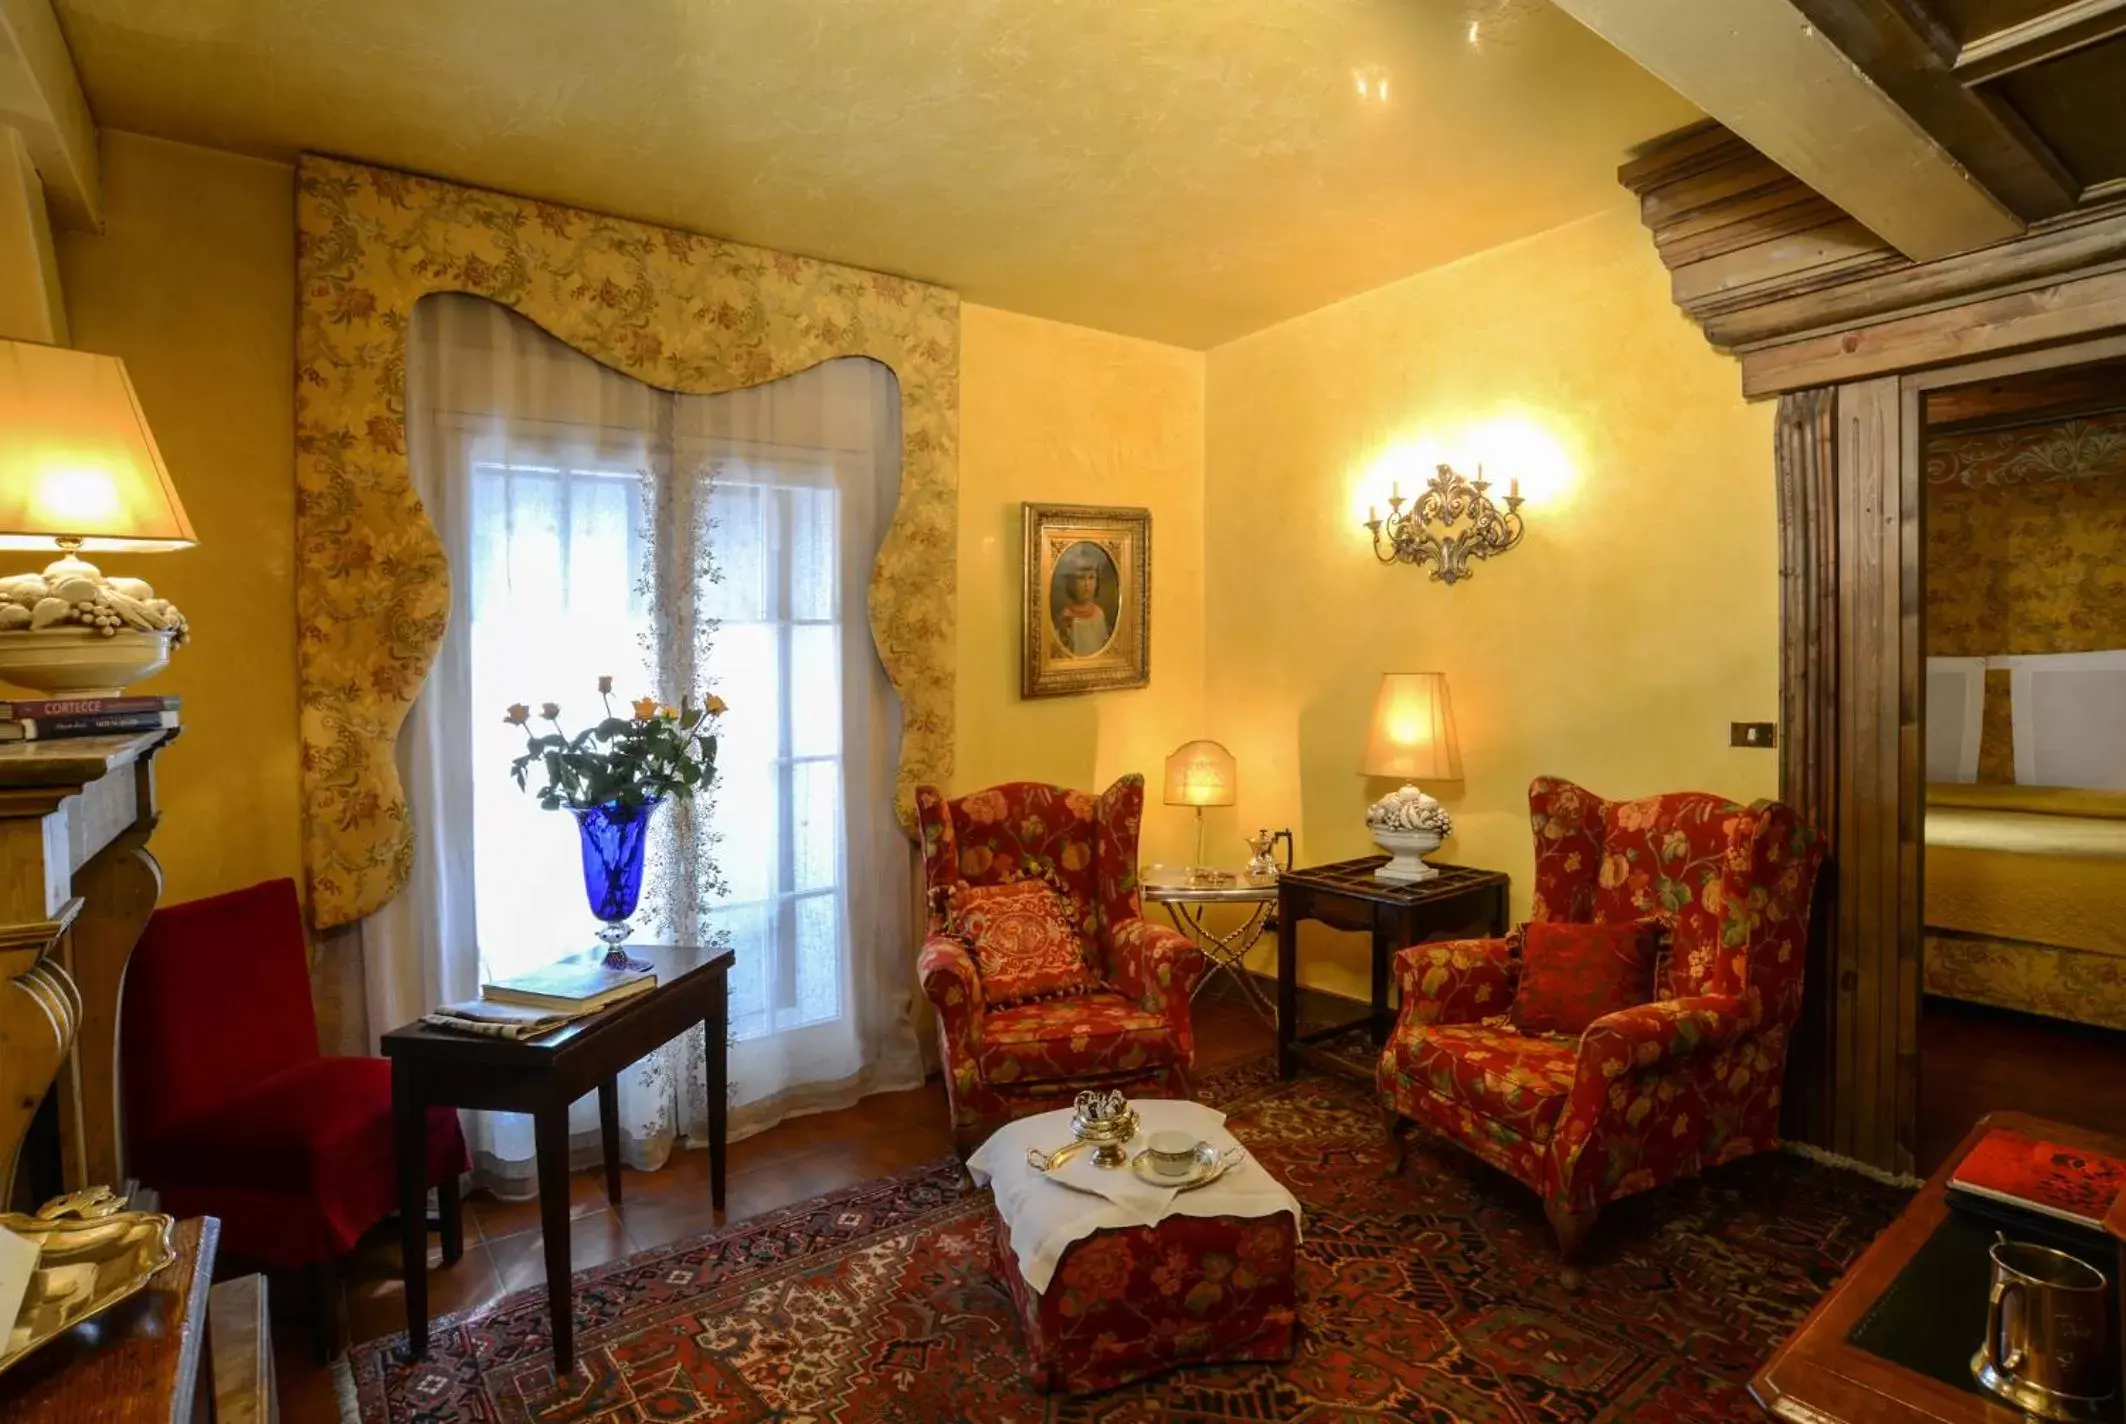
(1448, 500)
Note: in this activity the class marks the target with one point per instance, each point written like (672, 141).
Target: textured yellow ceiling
(1189, 170)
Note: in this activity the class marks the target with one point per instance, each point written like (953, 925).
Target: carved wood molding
(1776, 274)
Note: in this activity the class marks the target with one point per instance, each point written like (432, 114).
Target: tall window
(576, 507)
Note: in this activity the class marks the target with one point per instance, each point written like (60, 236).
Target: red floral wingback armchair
(1650, 1093)
(1133, 1033)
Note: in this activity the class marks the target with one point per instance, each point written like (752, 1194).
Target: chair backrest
(1729, 881)
(217, 997)
(1086, 844)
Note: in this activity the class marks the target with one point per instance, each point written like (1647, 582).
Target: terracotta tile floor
(800, 1159)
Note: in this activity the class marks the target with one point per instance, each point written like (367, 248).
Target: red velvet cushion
(1572, 975)
(299, 1165)
(1023, 943)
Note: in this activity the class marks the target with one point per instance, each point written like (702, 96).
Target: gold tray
(85, 1265)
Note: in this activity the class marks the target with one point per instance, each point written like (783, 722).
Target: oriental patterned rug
(1431, 1297)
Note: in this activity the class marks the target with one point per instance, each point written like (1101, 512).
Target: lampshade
(76, 459)
(1201, 773)
(1412, 736)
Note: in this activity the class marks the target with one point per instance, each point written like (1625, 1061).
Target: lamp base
(1406, 851)
(81, 662)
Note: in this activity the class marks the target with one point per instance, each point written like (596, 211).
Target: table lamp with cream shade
(1411, 739)
(79, 472)
(1199, 774)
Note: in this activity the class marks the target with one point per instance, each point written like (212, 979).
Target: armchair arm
(1156, 966)
(1457, 980)
(1625, 1114)
(1664, 1032)
(955, 991)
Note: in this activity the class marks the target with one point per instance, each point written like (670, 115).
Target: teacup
(1172, 1153)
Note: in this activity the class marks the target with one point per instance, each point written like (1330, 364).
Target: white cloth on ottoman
(1046, 1216)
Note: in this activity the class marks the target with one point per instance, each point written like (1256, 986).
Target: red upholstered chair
(1647, 1094)
(1003, 1063)
(230, 1110)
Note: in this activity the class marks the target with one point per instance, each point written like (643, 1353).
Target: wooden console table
(433, 1067)
(1826, 1373)
(76, 887)
(1460, 902)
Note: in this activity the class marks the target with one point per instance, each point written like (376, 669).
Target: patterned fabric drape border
(674, 309)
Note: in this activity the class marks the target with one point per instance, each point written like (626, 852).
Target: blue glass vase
(614, 837)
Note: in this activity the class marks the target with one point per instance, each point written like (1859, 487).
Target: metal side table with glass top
(1188, 892)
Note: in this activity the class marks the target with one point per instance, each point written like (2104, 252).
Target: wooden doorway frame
(1852, 460)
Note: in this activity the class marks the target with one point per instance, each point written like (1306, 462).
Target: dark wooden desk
(1460, 902)
(541, 1076)
(144, 1361)
(1820, 1377)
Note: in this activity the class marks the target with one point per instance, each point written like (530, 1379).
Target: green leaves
(625, 759)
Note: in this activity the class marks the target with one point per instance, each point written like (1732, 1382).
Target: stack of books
(543, 1000)
(48, 719)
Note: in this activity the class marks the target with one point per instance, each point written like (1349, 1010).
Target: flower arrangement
(635, 760)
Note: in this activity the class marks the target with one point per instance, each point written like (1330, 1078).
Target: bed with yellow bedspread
(2026, 900)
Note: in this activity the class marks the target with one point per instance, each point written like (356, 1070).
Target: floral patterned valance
(2040, 454)
(674, 309)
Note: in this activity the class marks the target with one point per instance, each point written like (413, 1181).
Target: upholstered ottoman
(1104, 1297)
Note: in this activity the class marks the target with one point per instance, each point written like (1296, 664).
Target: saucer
(1210, 1166)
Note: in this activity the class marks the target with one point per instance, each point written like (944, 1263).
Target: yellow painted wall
(1614, 646)
(192, 283)
(1638, 619)
(1055, 414)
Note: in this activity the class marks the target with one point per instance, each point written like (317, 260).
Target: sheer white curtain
(596, 525)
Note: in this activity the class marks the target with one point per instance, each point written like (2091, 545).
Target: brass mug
(2048, 1333)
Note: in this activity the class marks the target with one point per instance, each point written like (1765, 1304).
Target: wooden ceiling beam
(1909, 56)
(2048, 36)
(1770, 74)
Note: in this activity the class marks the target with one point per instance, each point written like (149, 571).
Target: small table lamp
(1412, 736)
(79, 471)
(1200, 774)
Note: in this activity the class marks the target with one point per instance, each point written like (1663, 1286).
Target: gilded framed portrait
(1088, 614)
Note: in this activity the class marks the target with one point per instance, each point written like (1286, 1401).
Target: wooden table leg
(609, 1132)
(410, 1143)
(550, 1141)
(1385, 944)
(1287, 989)
(450, 1212)
(715, 1047)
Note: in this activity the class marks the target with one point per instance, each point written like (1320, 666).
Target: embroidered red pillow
(1572, 975)
(1023, 942)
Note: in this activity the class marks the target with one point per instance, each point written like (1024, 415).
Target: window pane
(815, 689)
(818, 958)
(748, 816)
(812, 560)
(745, 666)
(752, 932)
(742, 547)
(816, 824)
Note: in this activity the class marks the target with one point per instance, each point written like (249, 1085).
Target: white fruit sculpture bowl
(1408, 825)
(82, 662)
(71, 632)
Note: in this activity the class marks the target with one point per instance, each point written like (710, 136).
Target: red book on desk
(2050, 1177)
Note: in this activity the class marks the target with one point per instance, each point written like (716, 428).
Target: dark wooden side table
(432, 1067)
(1461, 902)
(1891, 1342)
